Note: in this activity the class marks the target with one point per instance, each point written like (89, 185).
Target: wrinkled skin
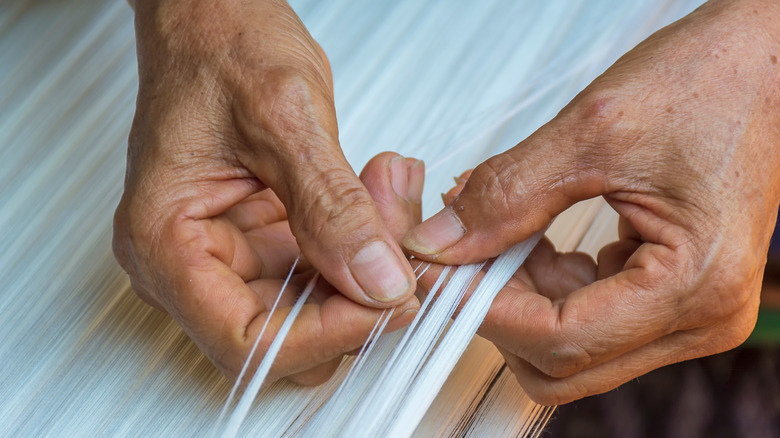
(234, 167)
(682, 138)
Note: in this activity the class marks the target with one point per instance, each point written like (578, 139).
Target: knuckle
(730, 289)
(597, 105)
(597, 120)
(495, 184)
(744, 281)
(541, 394)
(313, 377)
(120, 242)
(290, 106)
(737, 328)
(186, 239)
(572, 391)
(558, 392)
(131, 240)
(600, 110)
(337, 205)
(228, 348)
(562, 360)
(290, 88)
(737, 335)
(729, 301)
(145, 240)
(145, 294)
(229, 364)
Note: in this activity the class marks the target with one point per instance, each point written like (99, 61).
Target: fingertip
(352, 239)
(436, 234)
(399, 176)
(380, 169)
(317, 375)
(403, 314)
(416, 173)
(381, 273)
(411, 305)
(406, 176)
(395, 184)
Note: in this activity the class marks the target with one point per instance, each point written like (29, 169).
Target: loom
(457, 81)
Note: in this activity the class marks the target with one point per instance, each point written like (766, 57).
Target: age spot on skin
(670, 109)
(773, 58)
(695, 95)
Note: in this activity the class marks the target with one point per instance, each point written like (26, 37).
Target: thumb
(339, 230)
(291, 145)
(506, 199)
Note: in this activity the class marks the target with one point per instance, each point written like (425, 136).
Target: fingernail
(410, 312)
(416, 173)
(402, 315)
(459, 180)
(406, 316)
(436, 234)
(379, 272)
(410, 307)
(399, 176)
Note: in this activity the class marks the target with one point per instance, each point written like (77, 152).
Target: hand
(682, 137)
(233, 167)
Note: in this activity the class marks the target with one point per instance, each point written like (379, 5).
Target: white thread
(464, 327)
(239, 414)
(86, 358)
(251, 355)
